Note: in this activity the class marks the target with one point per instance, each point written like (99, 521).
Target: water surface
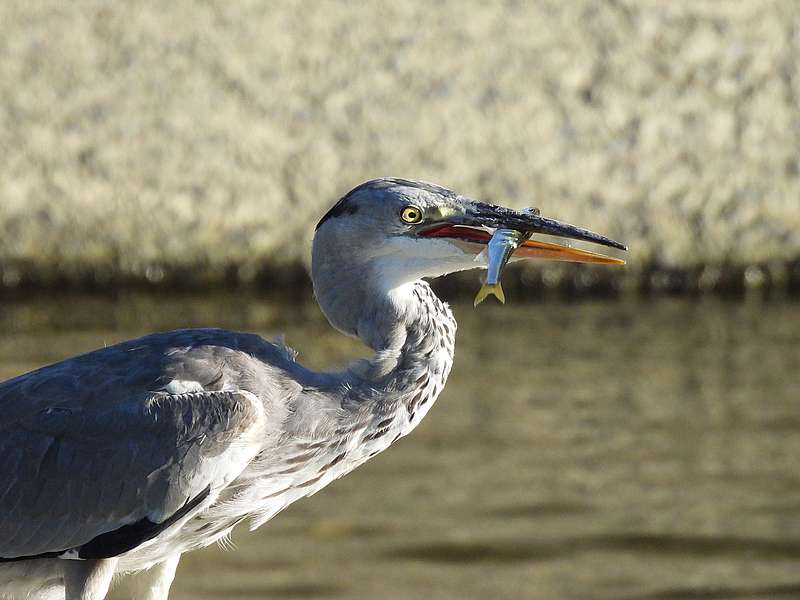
(609, 450)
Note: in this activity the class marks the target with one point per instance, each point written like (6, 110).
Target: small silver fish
(499, 250)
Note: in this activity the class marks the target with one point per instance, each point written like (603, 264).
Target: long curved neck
(365, 409)
(346, 418)
(410, 329)
(413, 356)
(415, 333)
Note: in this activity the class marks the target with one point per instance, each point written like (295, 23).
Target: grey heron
(120, 460)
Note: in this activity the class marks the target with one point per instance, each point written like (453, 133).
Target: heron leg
(88, 579)
(154, 583)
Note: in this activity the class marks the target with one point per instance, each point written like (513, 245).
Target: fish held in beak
(512, 238)
(501, 246)
(501, 234)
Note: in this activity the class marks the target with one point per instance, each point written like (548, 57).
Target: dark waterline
(772, 280)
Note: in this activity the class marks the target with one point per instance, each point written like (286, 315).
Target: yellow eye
(411, 214)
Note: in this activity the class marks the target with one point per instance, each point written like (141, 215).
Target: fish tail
(495, 289)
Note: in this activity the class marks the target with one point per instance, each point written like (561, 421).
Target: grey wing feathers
(75, 464)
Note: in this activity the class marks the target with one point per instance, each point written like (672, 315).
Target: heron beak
(537, 249)
(472, 231)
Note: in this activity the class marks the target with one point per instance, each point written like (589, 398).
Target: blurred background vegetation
(197, 143)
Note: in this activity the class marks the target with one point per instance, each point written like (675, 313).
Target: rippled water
(611, 450)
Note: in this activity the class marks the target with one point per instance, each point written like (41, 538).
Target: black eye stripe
(348, 206)
(342, 207)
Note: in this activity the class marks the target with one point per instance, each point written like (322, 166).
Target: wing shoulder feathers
(71, 477)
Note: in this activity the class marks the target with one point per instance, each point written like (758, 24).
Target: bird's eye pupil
(411, 214)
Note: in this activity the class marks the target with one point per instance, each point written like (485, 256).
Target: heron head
(398, 231)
